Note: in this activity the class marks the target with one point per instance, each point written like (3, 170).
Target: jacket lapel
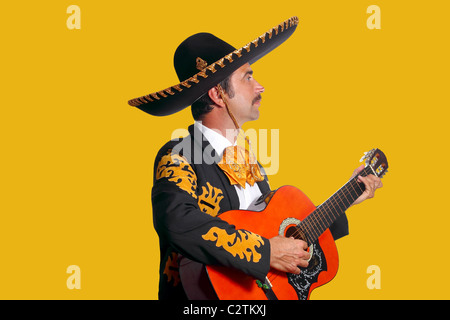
(202, 148)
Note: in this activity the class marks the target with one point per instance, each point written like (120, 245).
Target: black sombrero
(202, 61)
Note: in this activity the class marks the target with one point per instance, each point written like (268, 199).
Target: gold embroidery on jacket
(171, 270)
(209, 200)
(176, 169)
(242, 243)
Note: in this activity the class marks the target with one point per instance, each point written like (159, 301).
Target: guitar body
(290, 213)
(286, 208)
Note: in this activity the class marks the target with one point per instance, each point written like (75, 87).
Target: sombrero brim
(183, 94)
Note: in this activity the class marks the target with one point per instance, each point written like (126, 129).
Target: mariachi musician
(208, 172)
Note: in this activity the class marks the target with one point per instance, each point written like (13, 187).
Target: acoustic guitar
(288, 212)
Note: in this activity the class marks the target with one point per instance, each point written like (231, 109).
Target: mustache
(257, 99)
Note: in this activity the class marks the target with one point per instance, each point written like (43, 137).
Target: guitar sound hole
(293, 231)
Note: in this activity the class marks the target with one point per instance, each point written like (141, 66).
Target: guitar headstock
(377, 160)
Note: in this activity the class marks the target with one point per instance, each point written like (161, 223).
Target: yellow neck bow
(240, 166)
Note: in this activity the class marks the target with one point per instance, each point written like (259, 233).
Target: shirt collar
(217, 141)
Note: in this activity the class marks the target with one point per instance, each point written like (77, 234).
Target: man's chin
(255, 115)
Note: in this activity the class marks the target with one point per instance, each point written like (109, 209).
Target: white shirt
(246, 195)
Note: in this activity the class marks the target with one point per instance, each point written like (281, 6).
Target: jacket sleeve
(339, 228)
(195, 234)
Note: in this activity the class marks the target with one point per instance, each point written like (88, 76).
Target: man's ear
(216, 97)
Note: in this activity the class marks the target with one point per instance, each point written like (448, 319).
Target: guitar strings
(318, 221)
(317, 228)
(345, 193)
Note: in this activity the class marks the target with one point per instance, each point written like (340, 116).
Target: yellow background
(77, 161)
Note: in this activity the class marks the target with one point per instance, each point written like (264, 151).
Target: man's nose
(259, 87)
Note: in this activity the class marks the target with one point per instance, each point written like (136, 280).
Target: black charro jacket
(189, 193)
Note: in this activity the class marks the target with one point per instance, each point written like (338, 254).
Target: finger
(286, 267)
(303, 256)
(297, 260)
(357, 170)
(370, 186)
(307, 256)
(373, 179)
(367, 183)
(378, 183)
(303, 263)
(300, 245)
(293, 265)
(304, 244)
(295, 270)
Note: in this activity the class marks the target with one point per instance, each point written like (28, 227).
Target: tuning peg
(363, 157)
(367, 155)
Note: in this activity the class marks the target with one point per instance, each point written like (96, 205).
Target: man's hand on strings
(287, 254)
(371, 182)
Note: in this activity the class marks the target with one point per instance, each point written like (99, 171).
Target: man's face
(245, 102)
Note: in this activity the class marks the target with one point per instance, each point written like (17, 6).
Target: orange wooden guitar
(290, 213)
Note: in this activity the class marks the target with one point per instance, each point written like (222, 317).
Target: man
(193, 184)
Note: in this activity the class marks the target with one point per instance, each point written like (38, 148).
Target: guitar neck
(323, 217)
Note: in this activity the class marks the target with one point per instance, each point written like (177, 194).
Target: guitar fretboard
(327, 213)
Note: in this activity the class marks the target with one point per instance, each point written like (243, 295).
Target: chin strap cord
(222, 95)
